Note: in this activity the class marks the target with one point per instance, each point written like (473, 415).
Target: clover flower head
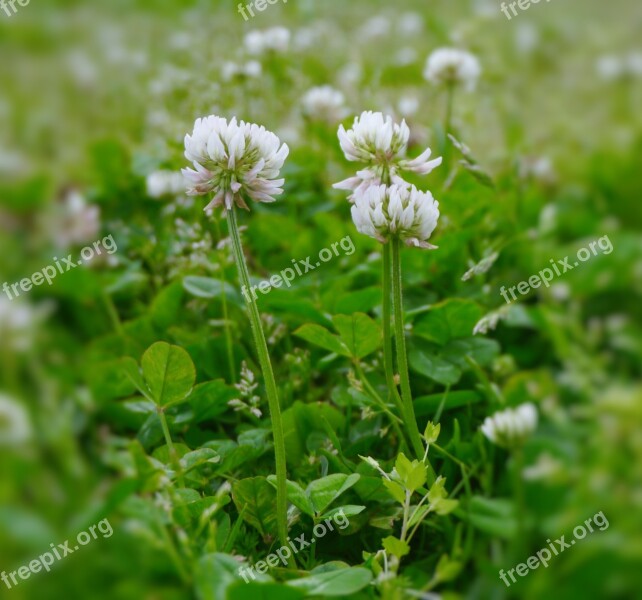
(381, 144)
(232, 159)
(401, 210)
(451, 66)
(275, 39)
(324, 103)
(511, 427)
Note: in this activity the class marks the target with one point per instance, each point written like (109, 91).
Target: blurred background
(95, 99)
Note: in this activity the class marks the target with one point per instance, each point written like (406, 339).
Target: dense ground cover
(131, 388)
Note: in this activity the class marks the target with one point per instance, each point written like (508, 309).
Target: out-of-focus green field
(96, 96)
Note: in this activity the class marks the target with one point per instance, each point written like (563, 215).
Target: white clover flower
(324, 103)
(275, 39)
(451, 66)
(382, 212)
(15, 425)
(410, 23)
(610, 67)
(511, 427)
(74, 222)
(234, 158)
(231, 70)
(165, 183)
(381, 144)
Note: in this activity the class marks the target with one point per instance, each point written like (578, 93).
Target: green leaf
(396, 547)
(495, 516)
(359, 332)
(258, 498)
(166, 306)
(340, 582)
(361, 300)
(447, 569)
(320, 336)
(396, 490)
(448, 320)
(412, 474)
(349, 510)
(199, 457)
(206, 287)
(326, 490)
(296, 495)
(214, 574)
(427, 405)
(169, 373)
(434, 367)
(262, 591)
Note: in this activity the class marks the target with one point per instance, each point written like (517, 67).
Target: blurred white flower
(410, 23)
(234, 158)
(381, 144)
(610, 67)
(375, 27)
(406, 56)
(165, 183)
(481, 267)
(408, 106)
(527, 37)
(350, 74)
(250, 69)
(19, 322)
(451, 66)
(15, 425)
(74, 222)
(511, 427)
(539, 168)
(324, 103)
(382, 212)
(275, 39)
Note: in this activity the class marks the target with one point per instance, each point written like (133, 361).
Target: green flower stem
(270, 383)
(172, 451)
(228, 333)
(387, 329)
(402, 360)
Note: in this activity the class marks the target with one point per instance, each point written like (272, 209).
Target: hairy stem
(402, 359)
(268, 375)
(228, 333)
(172, 451)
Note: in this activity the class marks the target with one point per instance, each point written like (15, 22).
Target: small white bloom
(399, 210)
(511, 427)
(165, 183)
(381, 144)
(451, 66)
(75, 221)
(408, 106)
(324, 103)
(275, 39)
(410, 23)
(376, 27)
(234, 158)
(610, 67)
(15, 425)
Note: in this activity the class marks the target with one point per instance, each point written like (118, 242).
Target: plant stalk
(268, 374)
(402, 359)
